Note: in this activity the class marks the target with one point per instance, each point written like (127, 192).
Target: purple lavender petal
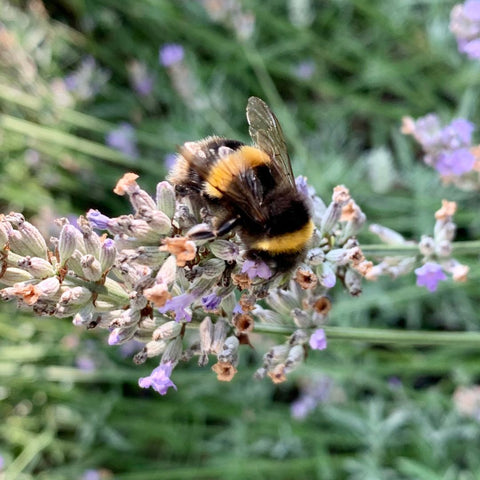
(429, 275)
(318, 340)
(159, 379)
(456, 162)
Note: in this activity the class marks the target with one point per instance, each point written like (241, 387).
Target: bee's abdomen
(288, 229)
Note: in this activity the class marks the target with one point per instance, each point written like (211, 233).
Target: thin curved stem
(463, 248)
(384, 336)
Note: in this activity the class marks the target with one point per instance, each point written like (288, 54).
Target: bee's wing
(267, 134)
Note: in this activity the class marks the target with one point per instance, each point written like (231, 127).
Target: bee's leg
(227, 227)
(203, 231)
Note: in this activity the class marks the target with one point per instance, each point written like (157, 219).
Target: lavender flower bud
(173, 351)
(48, 287)
(337, 256)
(142, 231)
(276, 355)
(212, 268)
(86, 317)
(330, 217)
(353, 282)
(387, 235)
(121, 335)
(295, 358)
(229, 352)
(5, 228)
(326, 274)
(91, 268)
(19, 244)
(166, 199)
(108, 254)
(268, 316)
(68, 242)
(443, 248)
(34, 239)
(75, 296)
(38, 267)
(127, 317)
(220, 331)
(315, 256)
(206, 338)
(90, 239)
(225, 250)
(153, 349)
(158, 221)
(14, 275)
(167, 330)
(282, 301)
(444, 230)
(301, 318)
(298, 337)
(426, 245)
(140, 200)
(137, 300)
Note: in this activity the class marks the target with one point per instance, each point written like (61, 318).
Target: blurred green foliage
(339, 75)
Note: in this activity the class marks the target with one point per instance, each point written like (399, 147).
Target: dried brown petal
(277, 375)
(125, 184)
(225, 371)
(183, 249)
(447, 211)
(306, 279)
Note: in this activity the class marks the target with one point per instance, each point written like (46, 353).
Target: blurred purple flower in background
(429, 275)
(465, 25)
(169, 160)
(313, 392)
(142, 81)
(456, 162)
(305, 70)
(87, 80)
(447, 149)
(170, 54)
(91, 475)
(123, 139)
(129, 348)
(85, 363)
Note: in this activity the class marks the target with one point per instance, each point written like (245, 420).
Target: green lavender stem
(384, 336)
(68, 115)
(459, 248)
(67, 140)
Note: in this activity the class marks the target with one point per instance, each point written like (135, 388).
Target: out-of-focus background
(90, 89)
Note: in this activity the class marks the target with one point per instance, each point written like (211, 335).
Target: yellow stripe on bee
(225, 169)
(288, 242)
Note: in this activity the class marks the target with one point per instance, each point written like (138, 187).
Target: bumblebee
(249, 189)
